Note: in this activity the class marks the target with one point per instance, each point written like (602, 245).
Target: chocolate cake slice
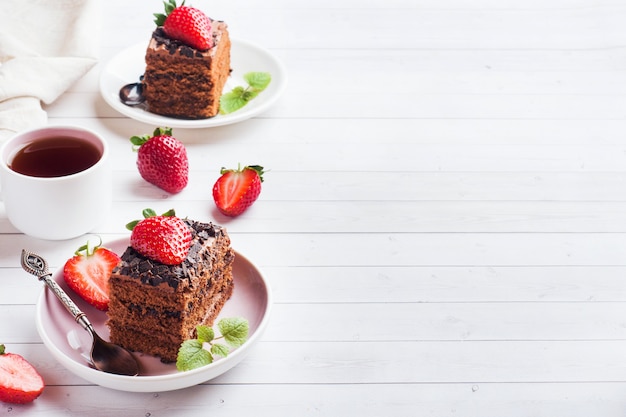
(154, 307)
(183, 82)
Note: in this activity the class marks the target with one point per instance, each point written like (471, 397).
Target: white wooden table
(443, 224)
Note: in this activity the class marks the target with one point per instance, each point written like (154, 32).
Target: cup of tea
(55, 181)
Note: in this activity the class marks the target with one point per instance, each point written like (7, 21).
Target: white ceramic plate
(69, 343)
(127, 66)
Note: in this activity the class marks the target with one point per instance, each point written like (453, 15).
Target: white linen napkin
(45, 47)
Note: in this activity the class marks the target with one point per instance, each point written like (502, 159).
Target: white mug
(56, 207)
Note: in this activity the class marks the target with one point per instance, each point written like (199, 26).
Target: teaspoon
(132, 94)
(105, 356)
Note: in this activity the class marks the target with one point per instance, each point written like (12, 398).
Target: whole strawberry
(162, 160)
(20, 383)
(87, 274)
(165, 238)
(186, 24)
(237, 189)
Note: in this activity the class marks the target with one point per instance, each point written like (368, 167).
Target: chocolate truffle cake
(154, 307)
(184, 82)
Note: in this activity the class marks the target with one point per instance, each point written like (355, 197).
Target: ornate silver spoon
(105, 356)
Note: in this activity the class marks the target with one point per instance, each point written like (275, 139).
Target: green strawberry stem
(89, 248)
(148, 212)
(258, 168)
(170, 5)
(137, 141)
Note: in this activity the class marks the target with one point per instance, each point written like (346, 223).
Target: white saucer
(69, 343)
(127, 66)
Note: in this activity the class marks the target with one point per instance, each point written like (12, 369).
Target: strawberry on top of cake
(186, 24)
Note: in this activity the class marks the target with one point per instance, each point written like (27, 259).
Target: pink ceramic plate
(69, 343)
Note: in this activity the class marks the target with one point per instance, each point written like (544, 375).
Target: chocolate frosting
(173, 45)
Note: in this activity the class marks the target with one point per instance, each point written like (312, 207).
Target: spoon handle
(79, 316)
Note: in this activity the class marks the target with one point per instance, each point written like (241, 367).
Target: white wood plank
(386, 157)
(559, 28)
(432, 284)
(387, 249)
(471, 249)
(416, 4)
(416, 362)
(425, 284)
(431, 71)
(427, 71)
(467, 399)
(400, 105)
(447, 322)
(329, 132)
(538, 187)
(402, 362)
(403, 217)
(399, 322)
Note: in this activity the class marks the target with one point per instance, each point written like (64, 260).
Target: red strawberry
(186, 24)
(20, 383)
(164, 238)
(162, 160)
(237, 189)
(87, 274)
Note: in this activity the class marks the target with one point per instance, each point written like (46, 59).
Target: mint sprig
(240, 96)
(198, 352)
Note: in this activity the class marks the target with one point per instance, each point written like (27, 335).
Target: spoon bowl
(132, 94)
(105, 356)
(111, 358)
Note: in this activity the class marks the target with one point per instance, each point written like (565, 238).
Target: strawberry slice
(87, 273)
(237, 189)
(20, 383)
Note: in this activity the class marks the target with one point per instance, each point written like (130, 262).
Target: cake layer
(167, 302)
(135, 304)
(182, 82)
(148, 334)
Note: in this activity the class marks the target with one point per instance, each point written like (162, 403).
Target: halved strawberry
(237, 189)
(186, 24)
(20, 383)
(165, 238)
(88, 272)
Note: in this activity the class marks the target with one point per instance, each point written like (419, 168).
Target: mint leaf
(192, 355)
(240, 96)
(258, 80)
(205, 334)
(249, 95)
(220, 350)
(234, 330)
(231, 102)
